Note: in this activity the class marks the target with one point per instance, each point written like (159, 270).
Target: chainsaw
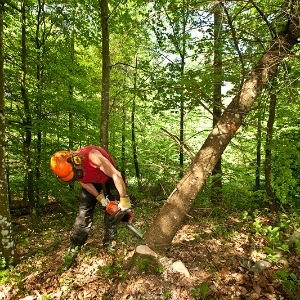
(117, 216)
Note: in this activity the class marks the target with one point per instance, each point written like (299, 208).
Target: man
(95, 170)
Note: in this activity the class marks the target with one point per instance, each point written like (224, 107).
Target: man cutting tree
(95, 170)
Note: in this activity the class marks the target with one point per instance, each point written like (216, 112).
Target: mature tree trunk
(7, 245)
(268, 157)
(160, 234)
(27, 122)
(105, 75)
(216, 193)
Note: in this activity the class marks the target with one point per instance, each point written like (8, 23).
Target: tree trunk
(268, 157)
(216, 192)
(39, 43)
(134, 147)
(160, 234)
(71, 46)
(123, 154)
(27, 122)
(105, 75)
(7, 245)
(258, 152)
(182, 52)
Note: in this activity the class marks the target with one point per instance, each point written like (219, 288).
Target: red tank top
(92, 174)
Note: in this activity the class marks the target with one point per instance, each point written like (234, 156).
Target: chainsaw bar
(134, 230)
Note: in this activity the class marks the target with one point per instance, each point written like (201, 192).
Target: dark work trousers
(84, 219)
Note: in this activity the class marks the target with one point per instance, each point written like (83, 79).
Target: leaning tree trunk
(160, 234)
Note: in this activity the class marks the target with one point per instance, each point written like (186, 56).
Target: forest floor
(217, 247)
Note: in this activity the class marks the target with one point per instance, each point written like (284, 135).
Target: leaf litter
(216, 252)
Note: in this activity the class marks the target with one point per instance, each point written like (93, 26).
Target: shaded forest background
(174, 66)
(163, 76)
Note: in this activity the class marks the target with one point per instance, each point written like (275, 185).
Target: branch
(233, 32)
(263, 16)
(12, 5)
(182, 145)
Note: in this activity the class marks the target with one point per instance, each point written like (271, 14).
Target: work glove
(102, 199)
(117, 215)
(124, 203)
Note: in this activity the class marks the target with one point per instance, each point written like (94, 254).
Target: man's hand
(124, 203)
(101, 198)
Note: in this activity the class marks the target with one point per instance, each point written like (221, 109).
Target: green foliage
(167, 294)
(112, 270)
(297, 247)
(3, 263)
(145, 266)
(7, 272)
(290, 283)
(68, 260)
(286, 168)
(275, 234)
(200, 291)
(46, 297)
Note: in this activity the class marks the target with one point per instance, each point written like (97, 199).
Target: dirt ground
(217, 252)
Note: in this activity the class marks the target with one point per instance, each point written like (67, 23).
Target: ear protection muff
(76, 162)
(75, 159)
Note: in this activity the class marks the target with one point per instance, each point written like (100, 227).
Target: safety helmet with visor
(66, 166)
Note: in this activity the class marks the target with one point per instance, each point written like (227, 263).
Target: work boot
(110, 246)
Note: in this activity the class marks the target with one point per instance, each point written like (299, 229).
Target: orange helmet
(62, 166)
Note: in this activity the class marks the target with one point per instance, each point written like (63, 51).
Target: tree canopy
(171, 88)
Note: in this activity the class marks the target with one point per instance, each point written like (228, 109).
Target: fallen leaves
(221, 259)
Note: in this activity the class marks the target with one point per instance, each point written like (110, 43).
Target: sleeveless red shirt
(92, 174)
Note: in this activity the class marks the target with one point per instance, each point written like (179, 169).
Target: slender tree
(216, 193)
(268, 154)
(258, 150)
(39, 44)
(7, 245)
(133, 136)
(27, 119)
(105, 75)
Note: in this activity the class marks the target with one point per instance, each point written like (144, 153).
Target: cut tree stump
(145, 260)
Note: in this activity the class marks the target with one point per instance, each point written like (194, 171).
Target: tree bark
(183, 53)
(105, 75)
(27, 122)
(258, 152)
(39, 44)
(268, 155)
(133, 137)
(7, 245)
(160, 234)
(216, 192)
